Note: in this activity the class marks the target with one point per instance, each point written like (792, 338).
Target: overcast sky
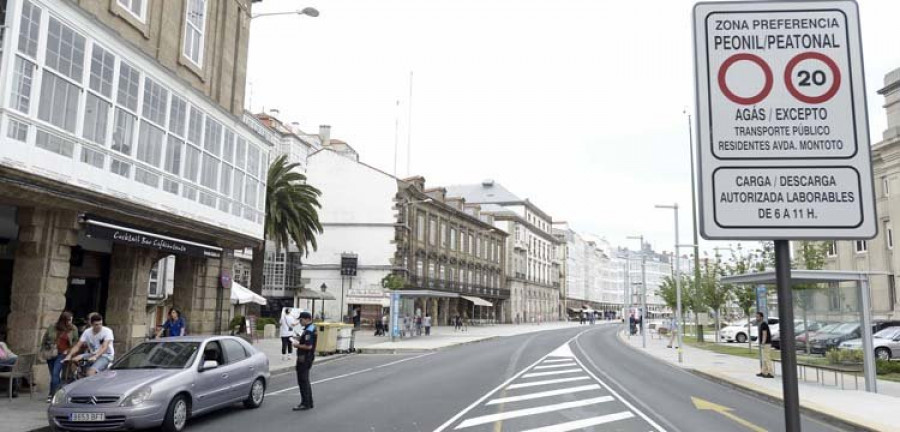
(575, 105)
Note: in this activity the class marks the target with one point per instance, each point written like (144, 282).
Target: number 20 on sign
(782, 122)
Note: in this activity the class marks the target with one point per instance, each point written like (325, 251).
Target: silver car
(163, 383)
(886, 343)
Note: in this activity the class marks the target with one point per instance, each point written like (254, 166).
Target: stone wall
(195, 293)
(126, 304)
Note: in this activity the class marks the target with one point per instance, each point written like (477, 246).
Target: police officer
(305, 343)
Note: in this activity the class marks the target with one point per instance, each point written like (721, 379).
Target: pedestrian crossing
(556, 394)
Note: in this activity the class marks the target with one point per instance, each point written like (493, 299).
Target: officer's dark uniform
(304, 364)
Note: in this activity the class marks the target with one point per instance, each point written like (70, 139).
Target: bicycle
(75, 369)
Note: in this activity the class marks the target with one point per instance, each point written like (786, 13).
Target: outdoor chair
(23, 368)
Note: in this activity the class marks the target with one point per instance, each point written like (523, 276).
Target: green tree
(393, 282)
(810, 256)
(692, 299)
(291, 215)
(715, 294)
(668, 292)
(745, 294)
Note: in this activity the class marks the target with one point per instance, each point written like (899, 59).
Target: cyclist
(98, 340)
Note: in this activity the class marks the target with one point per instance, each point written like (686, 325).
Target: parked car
(886, 343)
(163, 383)
(738, 333)
(799, 327)
(801, 337)
(824, 341)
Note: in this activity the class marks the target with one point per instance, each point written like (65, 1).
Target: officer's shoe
(301, 407)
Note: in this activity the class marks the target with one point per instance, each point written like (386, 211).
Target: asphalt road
(553, 381)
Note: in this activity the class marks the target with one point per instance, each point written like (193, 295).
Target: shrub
(236, 321)
(883, 367)
(261, 323)
(837, 356)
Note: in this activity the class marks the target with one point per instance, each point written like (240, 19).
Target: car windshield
(829, 328)
(159, 355)
(845, 328)
(888, 333)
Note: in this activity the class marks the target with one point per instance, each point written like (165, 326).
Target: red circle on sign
(753, 100)
(789, 72)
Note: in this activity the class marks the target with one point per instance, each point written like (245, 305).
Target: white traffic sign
(783, 135)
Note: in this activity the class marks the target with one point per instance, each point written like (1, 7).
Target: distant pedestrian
(384, 324)
(673, 332)
(287, 324)
(379, 330)
(428, 325)
(765, 341)
(174, 325)
(306, 354)
(593, 318)
(631, 323)
(418, 325)
(582, 317)
(457, 323)
(55, 345)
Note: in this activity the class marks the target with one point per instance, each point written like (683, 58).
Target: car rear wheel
(176, 415)
(257, 394)
(741, 338)
(883, 353)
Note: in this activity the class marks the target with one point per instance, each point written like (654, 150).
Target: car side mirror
(209, 364)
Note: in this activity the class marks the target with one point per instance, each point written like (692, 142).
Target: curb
(421, 350)
(805, 408)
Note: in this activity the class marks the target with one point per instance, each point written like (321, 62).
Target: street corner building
(121, 144)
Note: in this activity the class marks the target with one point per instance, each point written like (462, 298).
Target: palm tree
(291, 215)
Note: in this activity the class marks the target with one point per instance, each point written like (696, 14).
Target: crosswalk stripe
(559, 372)
(584, 423)
(557, 360)
(546, 382)
(545, 394)
(555, 366)
(491, 418)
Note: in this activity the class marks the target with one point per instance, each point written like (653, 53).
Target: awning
(306, 293)
(241, 295)
(478, 301)
(378, 301)
(136, 237)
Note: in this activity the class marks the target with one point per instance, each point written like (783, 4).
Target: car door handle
(224, 375)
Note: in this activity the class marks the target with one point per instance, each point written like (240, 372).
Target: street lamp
(323, 288)
(309, 11)
(679, 318)
(643, 288)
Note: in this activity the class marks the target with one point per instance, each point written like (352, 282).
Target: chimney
(325, 135)
(274, 112)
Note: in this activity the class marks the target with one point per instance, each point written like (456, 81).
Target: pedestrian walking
(286, 331)
(305, 343)
(58, 340)
(419, 325)
(582, 317)
(673, 332)
(631, 323)
(428, 325)
(384, 324)
(765, 341)
(457, 323)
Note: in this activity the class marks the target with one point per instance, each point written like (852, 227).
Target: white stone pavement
(869, 410)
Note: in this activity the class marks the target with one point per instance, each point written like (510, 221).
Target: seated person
(7, 361)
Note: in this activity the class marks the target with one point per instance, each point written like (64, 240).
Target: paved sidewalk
(856, 407)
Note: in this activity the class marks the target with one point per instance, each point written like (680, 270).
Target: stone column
(126, 304)
(40, 277)
(196, 287)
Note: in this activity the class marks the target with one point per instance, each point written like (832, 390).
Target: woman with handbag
(57, 341)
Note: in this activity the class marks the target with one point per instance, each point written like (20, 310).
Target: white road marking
(557, 360)
(556, 366)
(559, 372)
(491, 418)
(558, 392)
(564, 350)
(346, 375)
(546, 382)
(503, 384)
(585, 423)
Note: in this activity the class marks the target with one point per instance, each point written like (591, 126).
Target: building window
(228, 147)
(432, 231)
(452, 238)
(252, 161)
(120, 167)
(150, 144)
(240, 154)
(444, 234)
(96, 116)
(213, 138)
(92, 158)
(54, 143)
(29, 29)
(102, 70)
(194, 29)
(889, 233)
(129, 81)
(832, 249)
(146, 177)
(471, 244)
(195, 127)
(861, 246)
(192, 163)
(123, 132)
(155, 99)
(138, 8)
(177, 113)
(210, 173)
(173, 155)
(237, 191)
(23, 76)
(17, 130)
(886, 186)
(59, 102)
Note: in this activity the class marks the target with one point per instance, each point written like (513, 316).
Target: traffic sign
(783, 138)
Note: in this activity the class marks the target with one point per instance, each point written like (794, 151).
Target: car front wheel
(883, 354)
(741, 338)
(257, 394)
(176, 415)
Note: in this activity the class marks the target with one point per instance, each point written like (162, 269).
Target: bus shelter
(861, 279)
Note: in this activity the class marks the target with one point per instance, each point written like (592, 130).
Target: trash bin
(327, 338)
(344, 336)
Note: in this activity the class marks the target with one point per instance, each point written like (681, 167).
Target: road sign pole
(788, 351)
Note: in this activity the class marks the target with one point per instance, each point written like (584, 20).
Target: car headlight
(137, 397)
(59, 397)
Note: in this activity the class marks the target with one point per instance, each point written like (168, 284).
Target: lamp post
(309, 11)
(323, 288)
(643, 288)
(679, 318)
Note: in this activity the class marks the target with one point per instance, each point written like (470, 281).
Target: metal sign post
(783, 138)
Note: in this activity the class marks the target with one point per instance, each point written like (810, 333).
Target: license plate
(87, 417)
